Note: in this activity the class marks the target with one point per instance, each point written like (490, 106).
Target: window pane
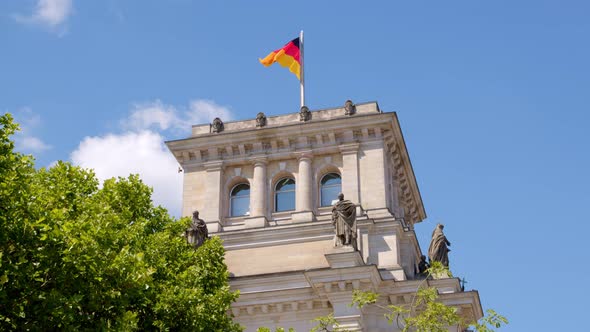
(241, 190)
(330, 193)
(331, 186)
(285, 184)
(240, 206)
(331, 179)
(285, 201)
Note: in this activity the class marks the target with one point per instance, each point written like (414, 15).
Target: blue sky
(492, 98)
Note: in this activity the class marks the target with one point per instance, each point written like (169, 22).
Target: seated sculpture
(344, 222)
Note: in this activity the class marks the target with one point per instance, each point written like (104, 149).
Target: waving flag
(288, 56)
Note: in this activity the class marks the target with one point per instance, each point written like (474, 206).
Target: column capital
(260, 161)
(302, 155)
(349, 148)
(212, 166)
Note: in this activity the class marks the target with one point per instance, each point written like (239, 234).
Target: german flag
(288, 56)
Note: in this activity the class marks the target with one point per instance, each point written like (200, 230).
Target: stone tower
(266, 187)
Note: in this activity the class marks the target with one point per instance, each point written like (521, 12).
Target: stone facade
(285, 263)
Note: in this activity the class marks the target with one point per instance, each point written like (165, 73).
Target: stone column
(303, 190)
(304, 193)
(212, 213)
(258, 196)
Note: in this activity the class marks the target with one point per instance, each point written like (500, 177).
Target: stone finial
(260, 120)
(304, 114)
(217, 125)
(349, 107)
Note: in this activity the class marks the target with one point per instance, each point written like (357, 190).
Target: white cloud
(48, 13)
(140, 148)
(159, 116)
(142, 153)
(204, 111)
(32, 144)
(150, 115)
(24, 140)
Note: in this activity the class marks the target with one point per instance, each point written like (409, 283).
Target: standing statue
(197, 233)
(438, 250)
(344, 222)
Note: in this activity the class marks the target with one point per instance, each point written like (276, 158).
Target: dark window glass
(330, 187)
(285, 195)
(240, 200)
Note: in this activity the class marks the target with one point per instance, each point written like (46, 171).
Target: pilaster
(212, 214)
(350, 172)
(337, 285)
(349, 317)
(374, 190)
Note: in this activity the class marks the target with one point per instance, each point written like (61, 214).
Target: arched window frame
(329, 186)
(284, 193)
(243, 198)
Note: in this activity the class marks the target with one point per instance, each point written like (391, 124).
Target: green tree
(74, 256)
(425, 313)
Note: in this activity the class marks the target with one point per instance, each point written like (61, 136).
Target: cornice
(288, 130)
(417, 197)
(296, 233)
(313, 290)
(290, 118)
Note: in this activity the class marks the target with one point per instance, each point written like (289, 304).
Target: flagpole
(302, 75)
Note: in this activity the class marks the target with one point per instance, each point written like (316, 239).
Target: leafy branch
(326, 324)
(425, 313)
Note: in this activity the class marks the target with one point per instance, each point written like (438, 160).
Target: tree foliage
(426, 313)
(74, 256)
(278, 329)
(326, 324)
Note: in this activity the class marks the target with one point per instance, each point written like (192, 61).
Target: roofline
(267, 128)
(411, 166)
(279, 115)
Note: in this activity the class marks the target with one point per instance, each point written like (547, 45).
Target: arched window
(239, 200)
(330, 187)
(285, 195)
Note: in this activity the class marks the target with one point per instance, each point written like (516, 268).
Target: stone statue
(438, 250)
(260, 120)
(217, 125)
(349, 107)
(197, 233)
(344, 222)
(423, 266)
(304, 114)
